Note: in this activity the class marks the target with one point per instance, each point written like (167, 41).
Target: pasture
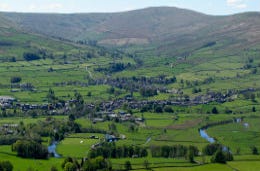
(160, 129)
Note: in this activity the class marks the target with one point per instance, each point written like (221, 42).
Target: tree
(51, 96)
(71, 117)
(253, 97)
(254, 150)
(238, 151)
(254, 71)
(31, 56)
(214, 110)
(228, 155)
(70, 167)
(144, 152)
(16, 79)
(66, 160)
(210, 149)
(53, 168)
(112, 127)
(218, 157)
(6, 166)
(12, 59)
(158, 109)
(111, 90)
(79, 98)
(168, 109)
(97, 163)
(131, 128)
(128, 165)
(192, 151)
(146, 165)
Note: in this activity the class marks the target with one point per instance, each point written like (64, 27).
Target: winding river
(204, 135)
(52, 149)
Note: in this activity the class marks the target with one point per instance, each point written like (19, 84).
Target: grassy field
(183, 131)
(227, 72)
(21, 164)
(77, 145)
(238, 136)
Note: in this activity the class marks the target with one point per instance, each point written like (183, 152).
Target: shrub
(6, 166)
(214, 110)
(16, 79)
(254, 150)
(168, 109)
(31, 56)
(210, 149)
(128, 165)
(218, 157)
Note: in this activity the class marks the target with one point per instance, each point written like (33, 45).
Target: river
(52, 149)
(204, 135)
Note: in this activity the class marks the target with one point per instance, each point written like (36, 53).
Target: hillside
(180, 30)
(40, 61)
(192, 46)
(15, 41)
(148, 24)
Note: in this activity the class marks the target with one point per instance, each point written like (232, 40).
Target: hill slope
(216, 52)
(150, 23)
(168, 29)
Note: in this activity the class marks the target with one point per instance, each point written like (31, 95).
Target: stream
(52, 149)
(204, 134)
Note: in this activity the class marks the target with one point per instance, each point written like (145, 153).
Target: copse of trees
(218, 123)
(98, 163)
(221, 156)
(196, 90)
(250, 96)
(148, 91)
(110, 150)
(173, 151)
(30, 149)
(210, 149)
(218, 157)
(70, 164)
(219, 153)
(113, 67)
(9, 139)
(116, 67)
(192, 152)
(31, 56)
(168, 109)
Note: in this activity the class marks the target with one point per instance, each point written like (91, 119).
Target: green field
(182, 131)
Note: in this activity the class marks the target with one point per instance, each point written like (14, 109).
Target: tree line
(30, 149)
(110, 150)
(173, 151)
